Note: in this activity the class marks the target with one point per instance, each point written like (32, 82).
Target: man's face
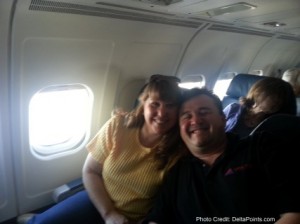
(201, 124)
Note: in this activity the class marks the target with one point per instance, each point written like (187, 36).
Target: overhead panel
(111, 12)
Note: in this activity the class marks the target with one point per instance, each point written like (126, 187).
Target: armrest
(68, 189)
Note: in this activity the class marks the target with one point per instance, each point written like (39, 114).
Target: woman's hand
(116, 218)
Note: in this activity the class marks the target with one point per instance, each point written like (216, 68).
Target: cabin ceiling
(266, 11)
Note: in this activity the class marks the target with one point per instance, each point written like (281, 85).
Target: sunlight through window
(221, 87)
(192, 81)
(222, 84)
(59, 118)
(190, 85)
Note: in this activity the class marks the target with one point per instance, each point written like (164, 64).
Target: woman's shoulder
(115, 122)
(118, 119)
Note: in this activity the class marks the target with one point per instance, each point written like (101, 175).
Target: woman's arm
(93, 182)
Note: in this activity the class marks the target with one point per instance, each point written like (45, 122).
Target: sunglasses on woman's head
(158, 77)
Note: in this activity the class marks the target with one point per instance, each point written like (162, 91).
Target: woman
(266, 97)
(127, 161)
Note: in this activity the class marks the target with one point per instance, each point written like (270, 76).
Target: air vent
(284, 37)
(133, 8)
(69, 8)
(161, 2)
(239, 30)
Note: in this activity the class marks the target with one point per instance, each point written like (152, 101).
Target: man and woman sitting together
(170, 160)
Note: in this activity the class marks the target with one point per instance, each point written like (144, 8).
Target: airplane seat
(238, 87)
(292, 76)
(286, 126)
(278, 123)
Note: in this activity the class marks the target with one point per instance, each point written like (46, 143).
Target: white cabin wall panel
(8, 205)
(143, 48)
(135, 41)
(143, 55)
(41, 61)
(277, 54)
(126, 34)
(45, 62)
(143, 59)
(220, 53)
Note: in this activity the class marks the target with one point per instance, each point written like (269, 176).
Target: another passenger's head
(201, 120)
(270, 96)
(292, 76)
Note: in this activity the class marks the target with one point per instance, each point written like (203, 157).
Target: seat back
(238, 87)
(286, 128)
(282, 125)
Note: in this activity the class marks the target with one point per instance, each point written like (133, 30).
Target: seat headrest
(241, 83)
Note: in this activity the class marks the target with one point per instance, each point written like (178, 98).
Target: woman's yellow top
(130, 171)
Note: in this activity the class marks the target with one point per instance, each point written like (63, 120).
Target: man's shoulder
(180, 171)
(183, 164)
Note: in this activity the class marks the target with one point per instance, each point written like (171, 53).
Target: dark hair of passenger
(189, 94)
(281, 93)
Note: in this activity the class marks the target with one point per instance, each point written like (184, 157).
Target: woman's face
(265, 106)
(160, 116)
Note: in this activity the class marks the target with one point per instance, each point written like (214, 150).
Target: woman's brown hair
(280, 91)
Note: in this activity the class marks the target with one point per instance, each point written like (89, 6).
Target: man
(225, 179)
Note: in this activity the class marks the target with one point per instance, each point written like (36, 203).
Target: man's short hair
(191, 93)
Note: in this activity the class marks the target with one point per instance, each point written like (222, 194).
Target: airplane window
(191, 81)
(59, 120)
(257, 72)
(222, 84)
